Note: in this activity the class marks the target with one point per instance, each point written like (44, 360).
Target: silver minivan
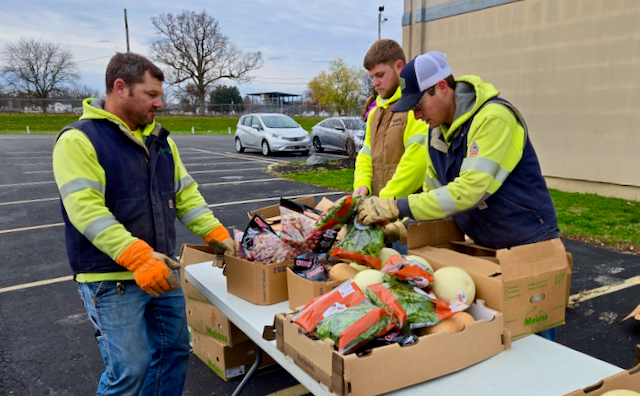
(271, 133)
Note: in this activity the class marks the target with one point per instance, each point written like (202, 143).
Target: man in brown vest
(392, 161)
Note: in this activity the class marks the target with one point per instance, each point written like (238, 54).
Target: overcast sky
(297, 38)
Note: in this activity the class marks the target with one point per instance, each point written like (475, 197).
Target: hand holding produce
(338, 214)
(377, 210)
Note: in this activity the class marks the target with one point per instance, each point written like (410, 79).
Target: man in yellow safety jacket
(392, 160)
(122, 185)
(482, 170)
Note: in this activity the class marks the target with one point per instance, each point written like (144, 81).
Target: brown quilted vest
(387, 145)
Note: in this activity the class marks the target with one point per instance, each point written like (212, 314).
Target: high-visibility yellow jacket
(81, 181)
(497, 134)
(482, 170)
(394, 164)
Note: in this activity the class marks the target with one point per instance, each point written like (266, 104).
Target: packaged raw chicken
(260, 243)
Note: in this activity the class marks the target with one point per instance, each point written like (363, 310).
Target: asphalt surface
(46, 340)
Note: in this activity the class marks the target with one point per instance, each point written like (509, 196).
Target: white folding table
(533, 366)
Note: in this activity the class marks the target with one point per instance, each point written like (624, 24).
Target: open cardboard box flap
(626, 380)
(532, 260)
(634, 314)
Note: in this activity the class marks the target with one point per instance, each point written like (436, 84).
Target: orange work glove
(220, 241)
(152, 271)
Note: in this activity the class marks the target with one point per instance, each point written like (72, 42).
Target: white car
(271, 133)
(339, 133)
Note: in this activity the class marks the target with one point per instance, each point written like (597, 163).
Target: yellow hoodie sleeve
(81, 182)
(495, 146)
(409, 174)
(363, 173)
(192, 209)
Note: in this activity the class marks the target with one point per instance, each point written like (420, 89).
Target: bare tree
(82, 92)
(37, 68)
(188, 98)
(193, 48)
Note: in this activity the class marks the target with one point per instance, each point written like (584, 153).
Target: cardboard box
(529, 284)
(271, 214)
(193, 254)
(259, 283)
(393, 367)
(301, 291)
(228, 362)
(627, 380)
(205, 318)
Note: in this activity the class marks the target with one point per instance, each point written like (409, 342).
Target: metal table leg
(252, 370)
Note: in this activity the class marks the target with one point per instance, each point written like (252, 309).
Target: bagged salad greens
(355, 326)
(411, 271)
(412, 308)
(346, 295)
(361, 244)
(338, 214)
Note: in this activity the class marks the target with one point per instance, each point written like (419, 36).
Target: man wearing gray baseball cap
(482, 170)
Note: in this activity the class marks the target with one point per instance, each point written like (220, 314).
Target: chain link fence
(68, 106)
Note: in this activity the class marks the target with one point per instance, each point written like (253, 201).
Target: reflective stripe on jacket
(82, 182)
(484, 172)
(139, 193)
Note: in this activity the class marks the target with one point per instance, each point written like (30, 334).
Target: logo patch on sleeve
(474, 150)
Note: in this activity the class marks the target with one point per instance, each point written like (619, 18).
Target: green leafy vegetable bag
(362, 244)
(355, 326)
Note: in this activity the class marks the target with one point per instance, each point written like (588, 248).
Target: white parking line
(47, 171)
(219, 163)
(224, 170)
(29, 152)
(8, 231)
(243, 182)
(38, 283)
(29, 158)
(245, 157)
(34, 164)
(30, 228)
(29, 201)
(26, 184)
(601, 291)
(296, 390)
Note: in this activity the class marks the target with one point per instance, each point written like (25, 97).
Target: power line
(92, 59)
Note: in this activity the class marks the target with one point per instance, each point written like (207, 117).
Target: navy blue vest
(520, 212)
(140, 192)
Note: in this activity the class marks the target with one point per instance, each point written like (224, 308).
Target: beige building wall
(572, 67)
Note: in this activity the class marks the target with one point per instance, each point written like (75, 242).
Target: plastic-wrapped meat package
(260, 243)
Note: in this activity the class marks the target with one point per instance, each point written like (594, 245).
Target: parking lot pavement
(46, 341)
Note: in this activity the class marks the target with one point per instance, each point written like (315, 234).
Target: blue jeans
(143, 341)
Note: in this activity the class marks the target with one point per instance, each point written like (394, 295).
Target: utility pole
(126, 28)
(380, 19)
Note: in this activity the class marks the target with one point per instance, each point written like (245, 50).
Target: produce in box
(361, 244)
(338, 214)
(355, 326)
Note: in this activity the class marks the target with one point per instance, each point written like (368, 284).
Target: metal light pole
(380, 19)
(126, 28)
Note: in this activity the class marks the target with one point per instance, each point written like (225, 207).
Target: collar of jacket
(471, 93)
(394, 98)
(93, 109)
